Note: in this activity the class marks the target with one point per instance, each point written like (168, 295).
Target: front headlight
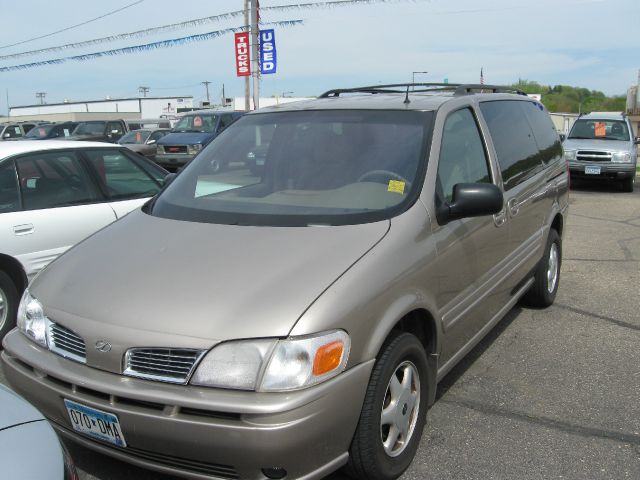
(31, 319)
(274, 365)
(194, 149)
(621, 157)
(569, 154)
(159, 150)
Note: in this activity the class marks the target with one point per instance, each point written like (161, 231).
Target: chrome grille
(66, 343)
(163, 364)
(593, 156)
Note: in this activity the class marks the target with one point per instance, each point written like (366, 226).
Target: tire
(547, 276)
(8, 304)
(369, 458)
(628, 184)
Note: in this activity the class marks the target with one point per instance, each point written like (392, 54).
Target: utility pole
(40, 96)
(8, 110)
(255, 64)
(143, 90)
(206, 85)
(247, 81)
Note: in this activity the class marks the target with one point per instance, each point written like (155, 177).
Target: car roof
(10, 148)
(603, 116)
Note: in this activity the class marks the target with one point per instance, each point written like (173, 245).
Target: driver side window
(463, 158)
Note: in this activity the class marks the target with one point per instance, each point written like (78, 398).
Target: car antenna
(406, 98)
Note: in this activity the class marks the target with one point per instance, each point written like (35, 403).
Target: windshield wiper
(581, 138)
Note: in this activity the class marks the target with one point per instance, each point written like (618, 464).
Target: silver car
(23, 431)
(287, 322)
(602, 146)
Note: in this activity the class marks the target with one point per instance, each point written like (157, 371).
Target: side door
(470, 251)
(59, 206)
(526, 191)
(126, 183)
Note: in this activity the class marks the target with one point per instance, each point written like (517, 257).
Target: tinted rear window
(513, 140)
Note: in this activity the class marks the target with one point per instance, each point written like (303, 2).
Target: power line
(193, 23)
(73, 26)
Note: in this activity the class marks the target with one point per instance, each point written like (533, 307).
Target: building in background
(633, 107)
(135, 108)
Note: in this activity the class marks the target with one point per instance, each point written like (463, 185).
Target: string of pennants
(146, 47)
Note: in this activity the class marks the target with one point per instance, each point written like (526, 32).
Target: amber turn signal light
(328, 358)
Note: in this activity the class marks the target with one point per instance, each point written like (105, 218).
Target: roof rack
(457, 88)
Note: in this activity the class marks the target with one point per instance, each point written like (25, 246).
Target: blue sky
(588, 43)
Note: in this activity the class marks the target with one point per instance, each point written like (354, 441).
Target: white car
(55, 193)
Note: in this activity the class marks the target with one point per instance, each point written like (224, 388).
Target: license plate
(592, 170)
(95, 423)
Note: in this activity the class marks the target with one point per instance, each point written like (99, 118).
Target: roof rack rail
(472, 87)
(457, 88)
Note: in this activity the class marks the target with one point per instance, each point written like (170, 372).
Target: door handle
(24, 229)
(514, 207)
(500, 218)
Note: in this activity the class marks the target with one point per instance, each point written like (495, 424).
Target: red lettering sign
(243, 59)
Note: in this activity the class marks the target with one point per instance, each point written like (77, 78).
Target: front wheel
(547, 275)
(628, 184)
(8, 304)
(394, 411)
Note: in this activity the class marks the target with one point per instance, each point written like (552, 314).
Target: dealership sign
(268, 57)
(243, 68)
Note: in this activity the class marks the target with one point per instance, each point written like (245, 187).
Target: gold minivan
(291, 313)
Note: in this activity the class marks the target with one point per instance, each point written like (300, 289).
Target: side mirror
(151, 142)
(563, 137)
(114, 132)
(6, 135)
(170, 177)
(637, 141)
(471, 200)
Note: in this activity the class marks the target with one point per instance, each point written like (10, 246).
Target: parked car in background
(23, 431)
(109, 131)
(48, 131)
(149, 123)
(55, 193)
(602, 146)
(143, 141)
(14, 131)
(191, 134)
(286, 325)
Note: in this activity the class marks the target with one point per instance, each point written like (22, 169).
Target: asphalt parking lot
(549, 393)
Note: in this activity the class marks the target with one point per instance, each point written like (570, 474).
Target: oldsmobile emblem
(103, 346)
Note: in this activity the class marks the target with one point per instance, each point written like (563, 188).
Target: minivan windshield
(196, 123)
(594, 129)
(302, 168)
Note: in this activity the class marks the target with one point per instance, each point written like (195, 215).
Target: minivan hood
(198, 280)
(184, 138)
(603, 145)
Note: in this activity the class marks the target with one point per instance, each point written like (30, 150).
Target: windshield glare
(135, 137)
(303, 168)
(90, 128)
(600, 130)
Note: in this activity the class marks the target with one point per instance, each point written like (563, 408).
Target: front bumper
(173, 160)
(192, 431)
(613, 171)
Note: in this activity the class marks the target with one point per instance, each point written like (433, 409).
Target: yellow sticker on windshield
(396, 186)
